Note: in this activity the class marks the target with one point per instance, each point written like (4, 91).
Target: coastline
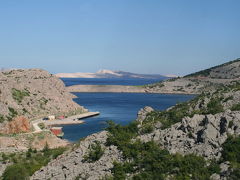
(70, 120)
(121, 89)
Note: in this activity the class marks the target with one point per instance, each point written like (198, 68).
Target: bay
(122, 108)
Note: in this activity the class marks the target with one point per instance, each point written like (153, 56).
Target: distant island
(113, 74)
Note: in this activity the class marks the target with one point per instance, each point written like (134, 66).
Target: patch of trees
(25, 164)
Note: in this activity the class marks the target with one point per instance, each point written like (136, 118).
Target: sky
(141, 36)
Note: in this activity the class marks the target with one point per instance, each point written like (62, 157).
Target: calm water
(119, 107)
(112, 81)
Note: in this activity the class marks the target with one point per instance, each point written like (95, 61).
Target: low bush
(214, 106)
(95, 152)
(231, 153)
(18, 95)
(41, 125)
(235, 107)
(25, 164)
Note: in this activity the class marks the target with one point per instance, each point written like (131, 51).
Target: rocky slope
(26, 95)
(33, 93)
(72, 165)
(200, 81)
(229, 70)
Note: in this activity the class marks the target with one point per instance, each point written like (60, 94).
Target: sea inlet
(121, 108)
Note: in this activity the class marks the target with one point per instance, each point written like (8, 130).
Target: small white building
(51, 118)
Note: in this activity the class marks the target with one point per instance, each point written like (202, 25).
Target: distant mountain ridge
(111, 74)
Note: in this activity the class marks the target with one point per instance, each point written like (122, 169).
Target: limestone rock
(201, 134)
(142, 114)
(71, 165)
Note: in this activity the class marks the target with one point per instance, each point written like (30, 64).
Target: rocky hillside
(191, 140)
(33, 93)
(229, 70)
(200, 81)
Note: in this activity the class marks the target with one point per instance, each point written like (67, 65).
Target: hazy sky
(143, 36)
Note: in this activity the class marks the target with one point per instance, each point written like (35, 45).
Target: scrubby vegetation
(231, 153)
(18, 95)
(213, 107)
(121, 135)
(2, 119)
(42, 125)
(12, 113)
(149, 161)
(25, 164)
(235, 107)
(95, 152)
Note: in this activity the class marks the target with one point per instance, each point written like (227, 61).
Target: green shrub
(41, 125)
(15, 172)
(121, 135)
(147, 128)
(235, 107)
(231, 152)
(25, 164)
(18, 95)
(231, 149)
(2, 119)
(12, 113)
(95, 152)
(214, 106)
(230, 124)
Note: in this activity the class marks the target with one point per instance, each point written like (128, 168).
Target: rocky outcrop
(19, 124)
(33, 93)
(142, 114)
(71, 165)
(201, 134)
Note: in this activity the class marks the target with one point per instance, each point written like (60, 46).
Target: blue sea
(122, 108)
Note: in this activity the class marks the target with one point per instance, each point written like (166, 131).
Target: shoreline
(119, 89)
(67, 121)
